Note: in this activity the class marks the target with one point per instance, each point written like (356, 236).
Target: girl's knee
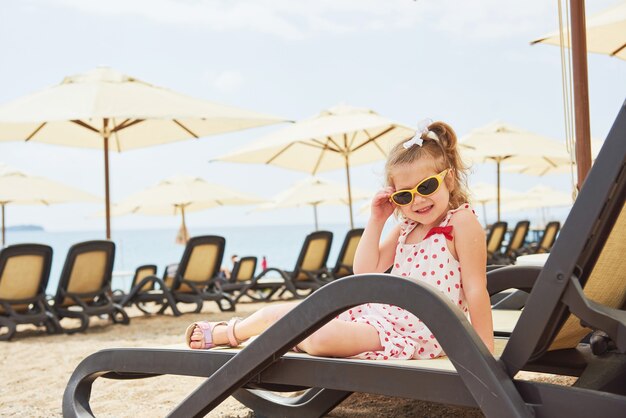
(320, 343)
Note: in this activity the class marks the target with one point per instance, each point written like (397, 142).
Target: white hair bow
(422, 129)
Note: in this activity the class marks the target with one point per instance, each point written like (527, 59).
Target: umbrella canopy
(543, 167)
(338, 137)
(606, 32)
(18, 188)
(539, 196)
(502, 143)
(108, 110)
(314, 191)
(484, 193)
(181, 194)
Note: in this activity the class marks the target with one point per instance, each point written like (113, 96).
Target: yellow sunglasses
(424, 188)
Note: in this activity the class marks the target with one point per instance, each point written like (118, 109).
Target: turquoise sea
(280, 244)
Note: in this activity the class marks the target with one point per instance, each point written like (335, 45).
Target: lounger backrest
(314, 253)
(605, 285)
(87, 271)
(588, 254)
(345, 259)
(518, 237)
(548, 237)
(24, 273)
(201, 261)
(169, 274)
(243, 269)
(141, 273)
(495, 237)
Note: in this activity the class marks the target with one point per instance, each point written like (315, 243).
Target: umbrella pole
(105, 137)
(581, 90)
(315, 215)
(3, 241)
(485, 213)
(182, 211)
(498, 185)
(349, 190)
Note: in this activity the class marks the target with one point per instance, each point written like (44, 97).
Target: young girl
(438, 238)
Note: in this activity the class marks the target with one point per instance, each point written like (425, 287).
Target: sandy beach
(36, 367)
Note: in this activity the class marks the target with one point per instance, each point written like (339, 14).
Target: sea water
(279, 244)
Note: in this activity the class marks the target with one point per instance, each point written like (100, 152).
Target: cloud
(289, 19)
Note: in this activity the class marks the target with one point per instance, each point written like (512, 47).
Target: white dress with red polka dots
(402, 334)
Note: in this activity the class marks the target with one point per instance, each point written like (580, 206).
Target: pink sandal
(207, 330)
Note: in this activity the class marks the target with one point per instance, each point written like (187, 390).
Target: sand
(35, 368)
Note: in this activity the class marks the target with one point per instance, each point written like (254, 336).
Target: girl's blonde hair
(445, 154)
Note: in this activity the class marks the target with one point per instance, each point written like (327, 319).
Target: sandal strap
(207, 331)
(230, 331)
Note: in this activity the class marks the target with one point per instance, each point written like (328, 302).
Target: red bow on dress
(445, 230)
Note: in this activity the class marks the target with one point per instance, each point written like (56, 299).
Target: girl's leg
(246, 328)
(342, 339)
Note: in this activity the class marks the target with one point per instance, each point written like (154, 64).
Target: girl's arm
(471, 250)
(371, 255)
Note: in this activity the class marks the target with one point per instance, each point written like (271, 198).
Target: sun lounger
(149, 293)
(195, 278)
(495, 236)
(573, 323)
(345, 259)
(84, 288)
(240, 278)
(306, 275)
(24, 273)
(515, 244)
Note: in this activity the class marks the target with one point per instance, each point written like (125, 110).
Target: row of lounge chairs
(198, 271)
(84, 288)
(573, 324)
(517, 244)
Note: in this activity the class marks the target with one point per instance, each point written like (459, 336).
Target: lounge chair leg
(10, 325)
(314, 402)
(171, 302)
(606, 373)
(125, 320)
(230, 308)
(84, 321)
(53, 326)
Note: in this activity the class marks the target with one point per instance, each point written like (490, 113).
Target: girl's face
(428, 210)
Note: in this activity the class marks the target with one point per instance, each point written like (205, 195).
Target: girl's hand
(381, 207)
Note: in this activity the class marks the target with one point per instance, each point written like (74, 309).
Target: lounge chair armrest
(137, 288)
(192, 285)
(512, 277)
(282, 273)
(596, 316)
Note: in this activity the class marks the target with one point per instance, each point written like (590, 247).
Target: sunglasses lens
(402, 198)
(428, 187)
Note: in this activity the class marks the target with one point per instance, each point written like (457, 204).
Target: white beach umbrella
(108, 110)
(538, 196)
(485, 193)
(606, 32)
(543, 167)
(339, 137)
(19, 188)
(504, 144)
(180, 195)
(314, 191)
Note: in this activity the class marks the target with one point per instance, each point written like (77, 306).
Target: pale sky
(467, 63)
